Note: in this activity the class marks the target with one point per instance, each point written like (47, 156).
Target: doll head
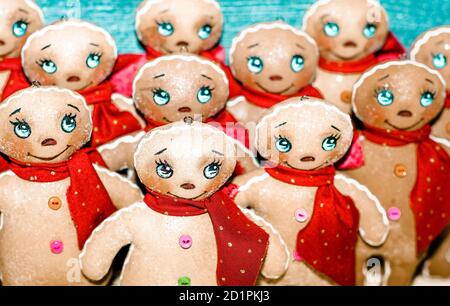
(171, 25)
(174, 87)
(400, 95)
(189, 161)
(432, 48)
(19, 19)
(44, 125)
(304, 134)
(274, 58)
(347, 30)
(71, 54)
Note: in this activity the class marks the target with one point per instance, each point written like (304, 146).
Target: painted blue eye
(21, 129)
(20, 28)
(93, 60)
(385, 97)
(255, 64)
(204, 95)
(427, 99)
(330, 143)
(283, 145)
(165, 29)
(204, 31)
(69, 124)
(164, 170)
(370, 30)
(48, 66)
(331, 29)
(212, 170)
(161, 97)
(439, 61)
(297, 63)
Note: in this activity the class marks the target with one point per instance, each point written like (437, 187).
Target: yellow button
(400, 170)
(54, 203)
(346, 96)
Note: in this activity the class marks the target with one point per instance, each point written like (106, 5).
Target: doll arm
(373, 223)
(248, 189)
(122, 191)
(277, 256)
(119, 154)
(126, 105)
(104, 243)
(443, 143)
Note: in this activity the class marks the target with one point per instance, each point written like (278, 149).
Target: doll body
(191, 213)
(292, 206)
(394, 136)
(93, 53)
(352, 37)
(270, 62)
(19, 20)
(47, 206)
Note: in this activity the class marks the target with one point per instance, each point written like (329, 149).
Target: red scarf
(235, 235)
(17, 79)
(429, 208)
(392, 50)
(89, 202)
(328, 242)
(109, 122)
(447, 100)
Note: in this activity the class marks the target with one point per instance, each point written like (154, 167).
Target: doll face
(274, 58)
(172, 25)
(19, 19)
(71, 54)
(434, 51)
(185, 161)
(347, 30)
(399, 96)
(174, 87)
(45, 125)
(304, 135)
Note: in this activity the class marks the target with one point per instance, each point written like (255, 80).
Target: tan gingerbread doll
(324, 218)
(80, 56)
(19, 19)
(167, 27)
(403, 166)
(53, 196)
(352, 36)
(207, 239)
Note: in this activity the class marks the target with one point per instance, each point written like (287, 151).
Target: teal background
(408, 18)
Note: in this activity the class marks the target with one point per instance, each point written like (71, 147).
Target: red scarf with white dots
(392, 50)
(108, 120)
(328, 241)
(17, 79)
(430, 199)
(89, 202)
(241, 244)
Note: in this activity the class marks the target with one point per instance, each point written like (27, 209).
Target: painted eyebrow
(164, 11)
(15, 112)
(46, 47)
(324, 16)
(159, 76)
(384, 78)
(95, 45)
(23, 11)
(206, 77)
(73, 106)
(161, 152)
(253, 46)
(429, 81)
(440, 42)
(281, 124)
(300, 46)
(217, 152)
(335, 128)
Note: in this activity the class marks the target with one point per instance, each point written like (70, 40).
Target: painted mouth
(290, 166)
(274, 92)
(405, 128)
(191, 199)
(49, 158)
(167, 120)
(347, 58)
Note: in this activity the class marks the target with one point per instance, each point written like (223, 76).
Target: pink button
(394, 213)
(56, 246)
(185, 241)
(297, 257)
(301, 215)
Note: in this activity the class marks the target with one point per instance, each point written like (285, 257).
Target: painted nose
(182, 44)
(188, 186)
(404, 113)
(308, 159)
(276, 78)
(185, 109)
(49, 142)
(73, 78)
(2, 43)
(350, 44)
